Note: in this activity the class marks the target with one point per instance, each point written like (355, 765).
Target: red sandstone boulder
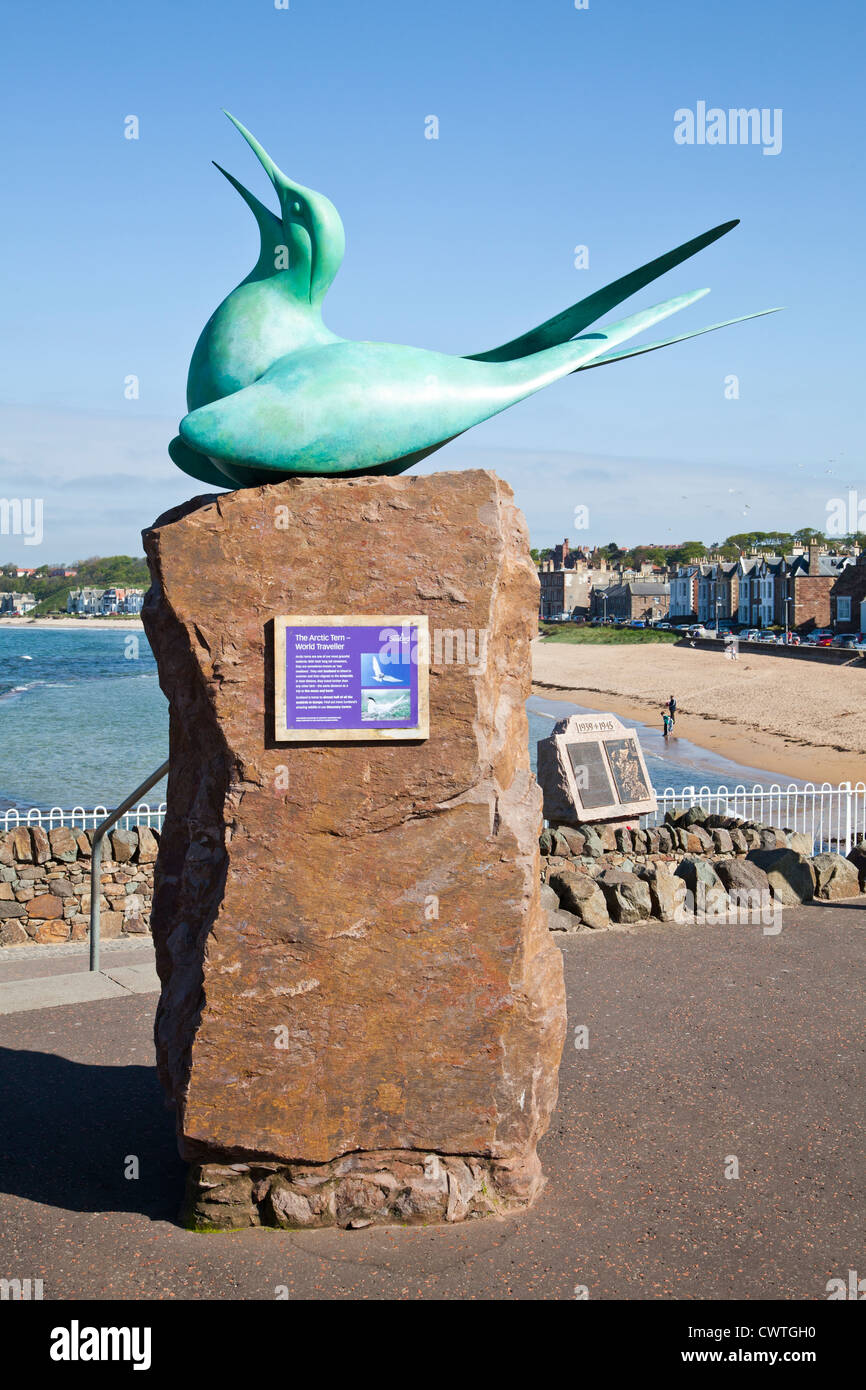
(350, 940)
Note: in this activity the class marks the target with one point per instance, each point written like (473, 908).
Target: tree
(687, 552)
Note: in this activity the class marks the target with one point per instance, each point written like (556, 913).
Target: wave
(7, 690)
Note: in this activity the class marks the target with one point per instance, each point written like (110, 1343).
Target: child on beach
(667, 723)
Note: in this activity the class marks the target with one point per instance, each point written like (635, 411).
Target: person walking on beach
(672, 709)
(667, 723)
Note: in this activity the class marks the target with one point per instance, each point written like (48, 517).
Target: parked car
(751, 634)
(848, 639)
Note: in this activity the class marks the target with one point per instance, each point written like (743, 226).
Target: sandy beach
(798, 719)
(80, 624)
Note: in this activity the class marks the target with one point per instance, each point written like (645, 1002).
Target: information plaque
(344, 679)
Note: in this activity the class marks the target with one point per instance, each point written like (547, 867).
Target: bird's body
(272, 392)
(251, 330)
(379, 674)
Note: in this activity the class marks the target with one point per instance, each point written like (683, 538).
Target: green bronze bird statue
(273, 393)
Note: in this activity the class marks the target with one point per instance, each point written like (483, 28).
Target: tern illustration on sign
(379, 674)
(273, 393)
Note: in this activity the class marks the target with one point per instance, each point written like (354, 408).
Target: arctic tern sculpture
(273, 393)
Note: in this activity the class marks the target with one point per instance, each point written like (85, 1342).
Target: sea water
(83, 722)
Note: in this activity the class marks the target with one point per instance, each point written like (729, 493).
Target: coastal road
(710, 1049)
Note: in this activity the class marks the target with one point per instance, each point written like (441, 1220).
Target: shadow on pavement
(69, 1131)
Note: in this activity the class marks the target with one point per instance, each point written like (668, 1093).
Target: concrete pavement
(708, 1143)
(47, 977)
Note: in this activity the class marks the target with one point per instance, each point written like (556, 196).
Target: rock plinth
(357, 977)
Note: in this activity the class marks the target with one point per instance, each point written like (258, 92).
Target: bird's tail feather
(668, 342)
(572, 321)
(544, 367)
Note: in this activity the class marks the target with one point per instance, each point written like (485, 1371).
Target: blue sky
(555, 130)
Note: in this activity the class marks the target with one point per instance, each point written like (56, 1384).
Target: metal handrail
(96, 857)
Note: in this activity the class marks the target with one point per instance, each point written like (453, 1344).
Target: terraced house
(684, 592)
(848, 597)
(718, 592)
(791, 591)
(647, 599)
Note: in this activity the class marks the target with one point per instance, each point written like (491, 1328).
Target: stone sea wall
(45, 884)
(693, 864)
(591, 877)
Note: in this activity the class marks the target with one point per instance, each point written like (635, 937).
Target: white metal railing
(81, 819)
(835, 817)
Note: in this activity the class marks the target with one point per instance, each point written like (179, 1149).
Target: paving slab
(55, 986)
(53, 991)
(138, 979)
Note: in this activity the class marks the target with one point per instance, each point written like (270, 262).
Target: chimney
(814, 551)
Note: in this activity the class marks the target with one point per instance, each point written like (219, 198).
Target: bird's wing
(572, 321)
(668, 342)
(377, 669)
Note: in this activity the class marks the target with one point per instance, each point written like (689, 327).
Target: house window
(843, 609)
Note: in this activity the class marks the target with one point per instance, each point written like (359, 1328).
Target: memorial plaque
(341, 678)
(591, 775)
(592, 769)
(627, 769)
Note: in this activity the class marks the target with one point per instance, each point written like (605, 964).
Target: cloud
(104, 477)
(661, 500)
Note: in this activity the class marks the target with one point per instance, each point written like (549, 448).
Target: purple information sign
(356, 677)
